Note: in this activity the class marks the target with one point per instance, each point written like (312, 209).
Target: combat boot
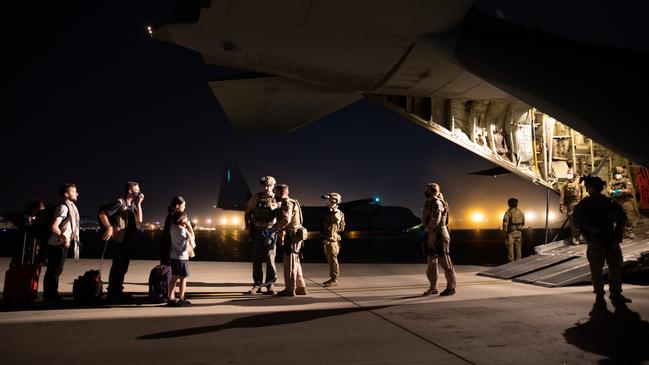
(619, 298)
(301, 291)
(330, 284)
(430, 291)
(447, 291)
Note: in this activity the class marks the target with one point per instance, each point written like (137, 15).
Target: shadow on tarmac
(260, 320)
(201, 284)
(622, 336)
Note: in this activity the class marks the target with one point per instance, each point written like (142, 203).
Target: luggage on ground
(21, 281)
(159, 280)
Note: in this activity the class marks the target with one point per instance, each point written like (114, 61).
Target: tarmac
(376, 315)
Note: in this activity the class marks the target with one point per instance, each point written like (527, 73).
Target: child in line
(182, 237)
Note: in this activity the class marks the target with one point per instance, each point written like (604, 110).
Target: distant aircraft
(360, 215)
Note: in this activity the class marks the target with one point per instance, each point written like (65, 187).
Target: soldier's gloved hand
(562, 209)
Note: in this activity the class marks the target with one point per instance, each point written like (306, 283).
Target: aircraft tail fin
(234, 192)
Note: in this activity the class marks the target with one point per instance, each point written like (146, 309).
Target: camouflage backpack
(264, 211)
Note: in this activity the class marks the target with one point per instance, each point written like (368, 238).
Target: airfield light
(530, 216)
(477, 217)
(195, 221)
(377, 199)
(229, 176)
(224, 221)
(552, 216)
(150, 30)
(235, 220)
(209, 221)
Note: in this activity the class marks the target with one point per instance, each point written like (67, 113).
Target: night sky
(93, 100)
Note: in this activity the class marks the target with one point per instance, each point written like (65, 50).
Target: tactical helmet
(333, 196)
(433, 186)
(512, 202)
(267, 181)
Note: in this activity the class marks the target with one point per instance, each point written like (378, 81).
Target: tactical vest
(516, 219)
(332, 227)
(263, 213)
(572, 192)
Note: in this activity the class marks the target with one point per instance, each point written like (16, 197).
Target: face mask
(135, 195)
(618, 176)
(570, 177)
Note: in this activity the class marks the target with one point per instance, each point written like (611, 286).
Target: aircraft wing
(276, 104)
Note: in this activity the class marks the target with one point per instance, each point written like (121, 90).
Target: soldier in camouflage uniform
(434, 219)
(333, 223)
(289, 221)
(602, 222)
(621, 191)
(513, 224)
(260, 215)
(571, 194)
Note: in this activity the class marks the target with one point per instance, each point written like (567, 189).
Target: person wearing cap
(513, 225)
(434, 219)
(621, 190)
(333, 222)
(571, 194)
(259, 216)
(602, 221)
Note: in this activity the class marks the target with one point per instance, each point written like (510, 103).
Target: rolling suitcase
(88, 288)
(21, 281)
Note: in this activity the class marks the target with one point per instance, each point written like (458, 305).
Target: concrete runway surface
(376, 316)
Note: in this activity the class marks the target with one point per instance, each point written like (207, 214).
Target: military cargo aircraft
(367, 215)
(534, 87)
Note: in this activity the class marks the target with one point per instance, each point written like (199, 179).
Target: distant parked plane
(360, 215)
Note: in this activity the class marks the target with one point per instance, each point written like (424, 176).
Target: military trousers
(446, 264)
(514, 245)
(629, 211)
(331, 249)
(293, 277)
(262, 254)
(574, 231)
(610, 253)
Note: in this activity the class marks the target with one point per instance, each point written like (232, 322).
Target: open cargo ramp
(561, 264)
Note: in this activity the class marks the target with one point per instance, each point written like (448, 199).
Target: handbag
(190, 248)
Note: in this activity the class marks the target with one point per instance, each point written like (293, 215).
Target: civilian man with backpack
(64, 233)
(119, 220)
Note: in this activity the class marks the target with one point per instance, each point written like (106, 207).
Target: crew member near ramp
(571, 194)
(621, 191)
(602, 223)
(333, 222)
(513, 224)
(259, 216)
(435, 219)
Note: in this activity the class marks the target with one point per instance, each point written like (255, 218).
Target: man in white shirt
(65, 232)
